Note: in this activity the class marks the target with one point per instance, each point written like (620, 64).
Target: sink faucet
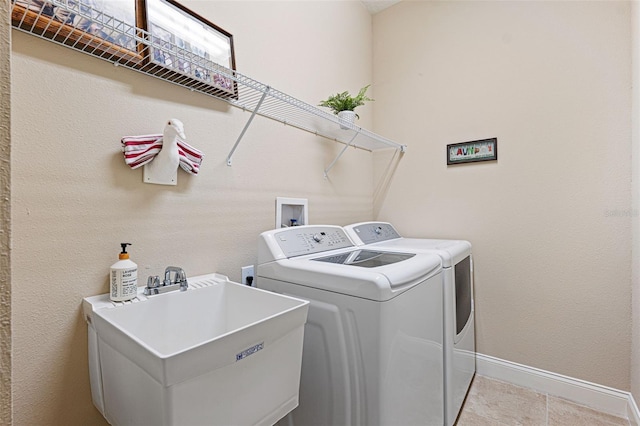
(178, 283)
(180, 277)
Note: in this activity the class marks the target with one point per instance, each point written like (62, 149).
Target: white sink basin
(219, 353)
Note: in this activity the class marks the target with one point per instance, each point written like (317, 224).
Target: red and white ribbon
(140, 150)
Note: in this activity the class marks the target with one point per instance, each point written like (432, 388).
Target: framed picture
(193, 51)
(105, 28)
(472, 152)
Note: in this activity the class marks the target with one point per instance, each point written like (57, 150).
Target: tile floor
(494, 403)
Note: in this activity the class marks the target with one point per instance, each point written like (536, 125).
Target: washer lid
(379, 283)
(451, 251)
(366, 258)
(383, 236)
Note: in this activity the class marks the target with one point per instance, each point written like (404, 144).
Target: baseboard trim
(633, 414)
(602, 398)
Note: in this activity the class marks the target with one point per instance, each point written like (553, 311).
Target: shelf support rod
(246, 126)
(326, 171)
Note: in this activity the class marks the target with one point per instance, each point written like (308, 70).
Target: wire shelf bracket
(335, 160)
(188, 70)
(246, 126)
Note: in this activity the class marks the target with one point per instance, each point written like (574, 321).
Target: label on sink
(249, 351)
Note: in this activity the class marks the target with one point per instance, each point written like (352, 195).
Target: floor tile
(471, 418)
(567, 413)
(500, 403)
(495, 403)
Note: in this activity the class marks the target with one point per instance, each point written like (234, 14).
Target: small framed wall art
(102, 28)
(195, 52)
(473, 151)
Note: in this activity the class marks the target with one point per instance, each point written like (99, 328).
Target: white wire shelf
(78, 25)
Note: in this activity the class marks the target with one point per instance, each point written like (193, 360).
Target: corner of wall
(5, 218)
(635, 201)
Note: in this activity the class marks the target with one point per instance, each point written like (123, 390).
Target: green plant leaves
(345, 102)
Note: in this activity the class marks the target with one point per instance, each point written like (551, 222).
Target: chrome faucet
(180, 277)
(178, 283)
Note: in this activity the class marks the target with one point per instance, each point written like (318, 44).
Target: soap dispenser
(124, 277)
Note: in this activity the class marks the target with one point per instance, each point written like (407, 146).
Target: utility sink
(218, 353)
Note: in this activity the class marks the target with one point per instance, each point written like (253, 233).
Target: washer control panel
(375, 232)
(298, 241)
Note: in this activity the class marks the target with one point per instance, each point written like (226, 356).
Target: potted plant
(343, 104)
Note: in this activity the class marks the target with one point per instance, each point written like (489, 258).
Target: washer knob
(317, 238)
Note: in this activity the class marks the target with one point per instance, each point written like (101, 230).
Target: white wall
(74, 200)
(549, 221)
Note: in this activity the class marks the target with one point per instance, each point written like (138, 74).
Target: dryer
(372, 352)
(458, 302)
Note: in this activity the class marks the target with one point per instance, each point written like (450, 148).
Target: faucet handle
(153, 281)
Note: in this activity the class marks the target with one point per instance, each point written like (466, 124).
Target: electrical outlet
(247, 271)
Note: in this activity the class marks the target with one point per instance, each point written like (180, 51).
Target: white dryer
(372, 351)
(458, 302)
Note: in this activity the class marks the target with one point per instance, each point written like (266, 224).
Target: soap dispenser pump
(124, 277)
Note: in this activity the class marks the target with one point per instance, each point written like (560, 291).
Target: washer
(372, 350)
(458, 302)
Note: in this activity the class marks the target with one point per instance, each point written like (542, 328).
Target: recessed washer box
(288, 209)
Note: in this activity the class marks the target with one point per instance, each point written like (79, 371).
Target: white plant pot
(348, 117)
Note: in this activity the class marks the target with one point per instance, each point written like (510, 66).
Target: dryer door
(464, 295)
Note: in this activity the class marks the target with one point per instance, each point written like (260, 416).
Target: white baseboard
(602, 398)
(633, 414)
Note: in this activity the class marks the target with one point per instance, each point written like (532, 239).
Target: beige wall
(74, 200)
(5, 209)
(550, 221)
(635, 166)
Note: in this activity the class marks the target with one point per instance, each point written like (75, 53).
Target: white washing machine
(458, 302)
(372, 351)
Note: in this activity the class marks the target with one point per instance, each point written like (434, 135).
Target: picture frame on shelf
(185, 48)
(102, 28)
(473, 151)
